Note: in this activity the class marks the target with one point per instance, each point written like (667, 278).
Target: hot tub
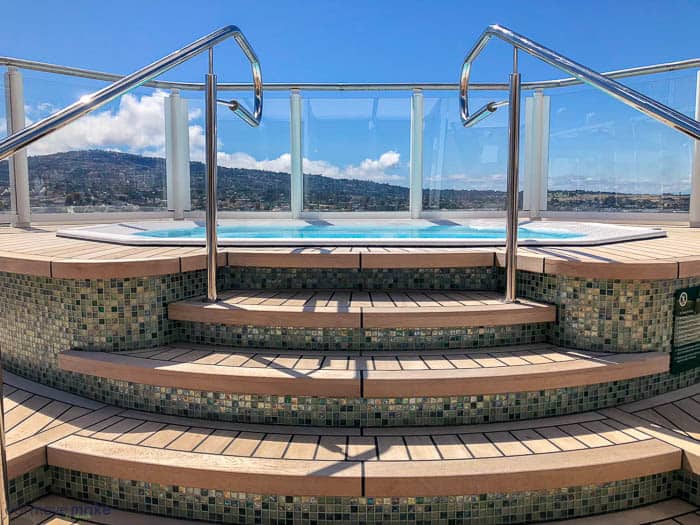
(360, 232)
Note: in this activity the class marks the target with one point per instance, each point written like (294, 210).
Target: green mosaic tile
(234, 507)
(477, 278)
(29, 487)
(607, 314)
(223, 506)
(688, 486)
(319, 339)
(41, 317)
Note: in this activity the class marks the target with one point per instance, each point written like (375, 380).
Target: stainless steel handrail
(627, 95)
(34, 132)
(582, 74)
(45, 67)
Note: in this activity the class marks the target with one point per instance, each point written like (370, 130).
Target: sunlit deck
(37, 251)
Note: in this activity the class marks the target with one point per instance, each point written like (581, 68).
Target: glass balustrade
(607, 157)
(356, 152)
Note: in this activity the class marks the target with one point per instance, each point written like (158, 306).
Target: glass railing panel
(464, 168)
(356, 150)
(607, 157)
(111, 160)
(254, 163)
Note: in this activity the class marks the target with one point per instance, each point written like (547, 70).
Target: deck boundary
(41, 253)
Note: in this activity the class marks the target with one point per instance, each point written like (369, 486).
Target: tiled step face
(60, 510)
(475, 273)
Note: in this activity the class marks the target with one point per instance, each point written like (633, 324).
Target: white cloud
(374, 170)
(136, 126)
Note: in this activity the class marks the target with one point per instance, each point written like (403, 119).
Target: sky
(596, 143)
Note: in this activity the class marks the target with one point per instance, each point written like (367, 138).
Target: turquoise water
(334, 231)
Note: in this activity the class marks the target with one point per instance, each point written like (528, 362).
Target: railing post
(19, 167)
(296, 190)
(535, 172)
(177, 155)
(210, 144)
(512, 191)
(694, 209)
(416, 169)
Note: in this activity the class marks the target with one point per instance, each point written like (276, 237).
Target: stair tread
(518, 368)
(356, 309)
(500, 457)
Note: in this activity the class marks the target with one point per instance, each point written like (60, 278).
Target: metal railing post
(296, 191)
(416, 170)
(211, 243)
(694, 207)
(512, 191)
(19, 167)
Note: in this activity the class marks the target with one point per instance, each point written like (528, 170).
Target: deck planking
(37, 251)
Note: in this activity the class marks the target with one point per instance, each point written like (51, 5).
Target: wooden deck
(45, 426)
(38, 251)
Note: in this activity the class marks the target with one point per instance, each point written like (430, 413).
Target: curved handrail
(629, 96)
(30, 134)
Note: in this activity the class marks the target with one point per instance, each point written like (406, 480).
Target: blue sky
(596, 143)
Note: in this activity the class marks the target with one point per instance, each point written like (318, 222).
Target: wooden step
(523, 368)
(584, 449)
(361, 309)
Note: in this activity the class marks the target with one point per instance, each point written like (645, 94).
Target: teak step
(523, 368)
(361, 309)
(48, 427)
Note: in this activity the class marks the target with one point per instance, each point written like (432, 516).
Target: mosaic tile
(224, 506)
(688, 486)
(319, 339)
(28, 487)
(607, 314)
(477, 278)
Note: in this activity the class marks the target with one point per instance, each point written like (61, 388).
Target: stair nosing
(356, 383)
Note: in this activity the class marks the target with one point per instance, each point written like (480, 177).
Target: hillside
(105, 180)
(99, 178)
